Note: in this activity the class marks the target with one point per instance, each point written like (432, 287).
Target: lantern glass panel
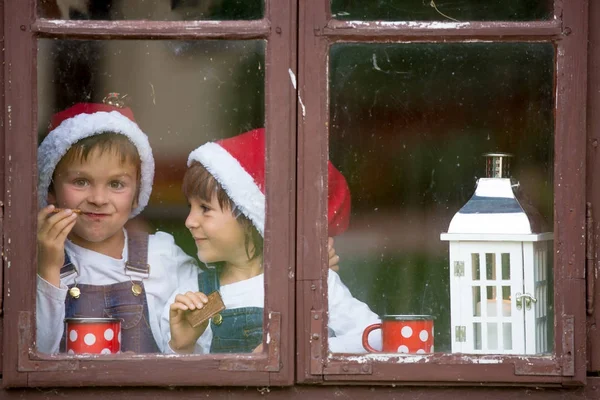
(476, 301)
(505, 266)
(506, 308)
(409, 123)
(490, 266)
(477, 335)
(475, 265)
(507, 333)
(492, 336)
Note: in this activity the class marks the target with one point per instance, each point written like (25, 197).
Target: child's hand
(334, 259)
(53, 229)
(183, 334)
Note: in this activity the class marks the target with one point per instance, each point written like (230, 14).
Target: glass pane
(409, 124)
(442, 10)
(507, 335)
(153, 10)
(476, 266)
(492, 336)
(490, 266)
(476, 301)
(505, 266)
(506, 307)
(181, 96)
(477, 335)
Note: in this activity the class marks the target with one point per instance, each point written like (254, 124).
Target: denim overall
(117, 300)
(238, 330)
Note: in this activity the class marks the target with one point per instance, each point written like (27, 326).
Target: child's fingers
(177, 306)
(330, 245)
(199, 299)
(44, 213)
(189, 301)
(64, 220)
(62, 235)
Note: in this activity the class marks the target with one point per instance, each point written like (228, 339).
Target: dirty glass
(181, 94)
(442, 10)
(409, 127)
(153, 10)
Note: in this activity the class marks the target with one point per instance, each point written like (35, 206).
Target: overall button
(136, 289)
(217, 319)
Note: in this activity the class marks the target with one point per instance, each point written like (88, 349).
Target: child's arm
(50, 314)
(334, 259)
(348, 317)
(53, 229)
(183, 335)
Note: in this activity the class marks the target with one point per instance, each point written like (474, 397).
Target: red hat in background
(238, 164)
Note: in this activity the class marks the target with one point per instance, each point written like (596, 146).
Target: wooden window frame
(22, 364)
(568, 31)
(593, 190)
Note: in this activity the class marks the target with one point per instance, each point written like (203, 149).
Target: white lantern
(500, 271)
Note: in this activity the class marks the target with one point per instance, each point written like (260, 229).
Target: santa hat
(238, 164)
(88, 119)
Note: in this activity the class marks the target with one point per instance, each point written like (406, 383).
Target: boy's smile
(104, 189)
(218, 234)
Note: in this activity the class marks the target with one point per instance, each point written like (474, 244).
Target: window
(406, 108)
(81, 53)
(403, 98)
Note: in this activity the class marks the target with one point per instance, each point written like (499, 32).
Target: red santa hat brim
(72, 129)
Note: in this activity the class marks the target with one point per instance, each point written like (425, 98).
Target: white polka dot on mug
(93, 335)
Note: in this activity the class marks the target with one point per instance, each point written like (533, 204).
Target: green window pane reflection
(153, 10)
(408, 126)
(442, 10)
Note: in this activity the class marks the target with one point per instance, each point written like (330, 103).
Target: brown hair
(201, 184)
(106, 142)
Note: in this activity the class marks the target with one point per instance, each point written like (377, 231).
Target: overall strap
(137, 253)
(68, 267)
(208, 280)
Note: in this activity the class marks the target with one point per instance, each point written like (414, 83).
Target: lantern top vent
(497, 165)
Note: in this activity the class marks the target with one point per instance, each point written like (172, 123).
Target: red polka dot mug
(411, 334)
(93, 335)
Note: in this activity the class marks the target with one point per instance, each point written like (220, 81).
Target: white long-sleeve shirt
(170, 268)
(348, 317)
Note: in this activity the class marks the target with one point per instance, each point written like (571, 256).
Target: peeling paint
(292, 78)
(417, 358)
(302, 105)
(9, 115)
(410, 24)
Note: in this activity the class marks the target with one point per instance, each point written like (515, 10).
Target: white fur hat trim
(59, 141)
(234, 179)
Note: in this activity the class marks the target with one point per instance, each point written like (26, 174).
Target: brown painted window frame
(22, 365)
(568, 32)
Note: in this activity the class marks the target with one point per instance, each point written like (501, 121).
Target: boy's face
(104, 189)
(217, 233)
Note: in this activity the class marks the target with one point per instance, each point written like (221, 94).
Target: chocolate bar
(214, 306)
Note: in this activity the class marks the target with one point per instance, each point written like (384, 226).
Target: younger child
(97, 165)
(225, 188)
